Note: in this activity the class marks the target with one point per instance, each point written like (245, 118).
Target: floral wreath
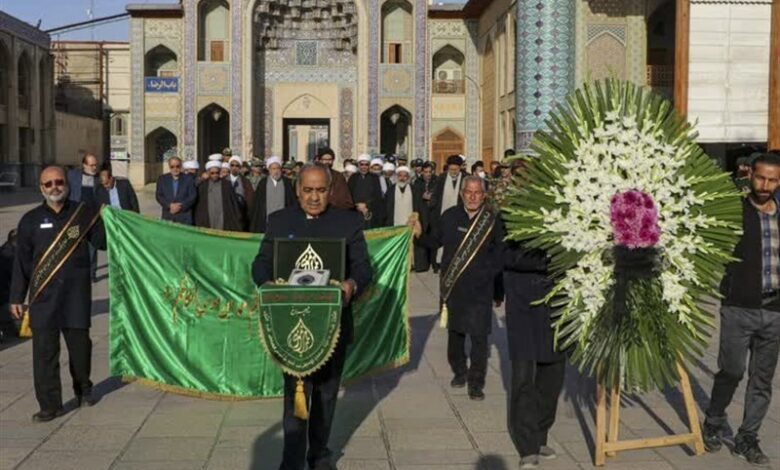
(639, 224)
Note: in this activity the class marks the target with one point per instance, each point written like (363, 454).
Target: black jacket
(470, 304)
(438, 195)
(418, 205)
(232, 218)
(291, 222)
(258, 217)
(367, 189)
(741, 286)
(187, 195)
(67, 300)
(528, 327)
(127, 198)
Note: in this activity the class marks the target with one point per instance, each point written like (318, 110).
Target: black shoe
(46, 416)
(459, 381)
(746, 447)
(476, 394)
(711, 436)
(86, 400)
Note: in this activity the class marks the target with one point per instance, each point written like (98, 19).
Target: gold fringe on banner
(300, 401)
(25, 331)
(445, 316)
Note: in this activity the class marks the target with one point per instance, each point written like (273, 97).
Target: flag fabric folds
(184, 309)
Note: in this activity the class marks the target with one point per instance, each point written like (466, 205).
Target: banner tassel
(24, 330)
(300, 401)
(445, 315)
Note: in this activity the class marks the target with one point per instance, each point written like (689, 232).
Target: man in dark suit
(274, 193)
(339, 193)
(82, 183)
(446, 194)
(115, 192)
(314, 218)
(537, 368)
(403, 199)
(176, 193)
(62, 304)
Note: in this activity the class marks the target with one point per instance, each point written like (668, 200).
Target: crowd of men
(458, 231)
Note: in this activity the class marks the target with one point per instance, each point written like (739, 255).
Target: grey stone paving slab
(168, 448)
(408, 419)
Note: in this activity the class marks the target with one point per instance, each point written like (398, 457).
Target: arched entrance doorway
(314, 43)
(396, 130)
(161, 144)
(447, 142)
(213, 131)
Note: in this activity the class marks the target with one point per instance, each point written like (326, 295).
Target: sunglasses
(58, 182)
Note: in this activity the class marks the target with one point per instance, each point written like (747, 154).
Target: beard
(58, 197)
(402, 184)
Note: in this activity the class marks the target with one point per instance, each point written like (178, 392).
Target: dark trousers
(456, 355)
(744, 330)
(322, 390)
(533, 402)
(421, 261)
(93, 255)
(46, 364)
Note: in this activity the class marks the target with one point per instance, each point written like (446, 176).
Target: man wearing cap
(274, 193)
(176, 194)
(287, 170)
(339, 191)
(227, 152)
(401, 201)
(245, 193)
(417, 166)
(366, 191)
(255, 173)
(217, 205)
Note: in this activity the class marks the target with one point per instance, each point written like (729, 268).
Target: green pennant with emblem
(300, 326)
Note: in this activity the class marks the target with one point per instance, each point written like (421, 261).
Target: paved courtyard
(403, 420)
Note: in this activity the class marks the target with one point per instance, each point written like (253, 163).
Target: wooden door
(446, 143)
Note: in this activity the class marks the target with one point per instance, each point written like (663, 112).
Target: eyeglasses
(58, 182)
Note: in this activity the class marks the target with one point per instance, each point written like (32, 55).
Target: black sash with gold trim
(63, 246)
(478, 233)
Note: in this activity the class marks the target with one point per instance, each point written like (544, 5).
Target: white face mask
(481, 174)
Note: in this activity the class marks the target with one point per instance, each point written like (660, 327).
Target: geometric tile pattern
(545, 61)
(236, 57)
(190, 76)
(472, 90)
(137, 147)
(346, 120)
(618, 31)
(374, 32)
(421, 79)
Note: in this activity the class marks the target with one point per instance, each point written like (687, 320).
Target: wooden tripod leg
(601, 424)
(690, 408)
(614, 417)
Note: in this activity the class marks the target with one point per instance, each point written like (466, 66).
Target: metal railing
(660, 76)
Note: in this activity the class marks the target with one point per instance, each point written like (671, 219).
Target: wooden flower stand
(607, 442)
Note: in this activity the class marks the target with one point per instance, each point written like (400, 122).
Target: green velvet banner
(184, 310)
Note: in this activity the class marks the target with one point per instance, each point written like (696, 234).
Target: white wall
(729, 71)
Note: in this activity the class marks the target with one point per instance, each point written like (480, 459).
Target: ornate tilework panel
(311, 75)
(373, 33)
(306, 53)
(616, 30)
(421, 80)
(472, 91)
(447, 29)
(545, 61)
(137, 136)
(346, 122)
(214, 79)
(158, 28)
(397, 80)
(236, 45)
(190, 64)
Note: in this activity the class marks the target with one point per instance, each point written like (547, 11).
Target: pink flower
(634, 220)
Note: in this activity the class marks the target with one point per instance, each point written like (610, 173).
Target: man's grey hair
(474, 178)
(315, 167)
(174, 158)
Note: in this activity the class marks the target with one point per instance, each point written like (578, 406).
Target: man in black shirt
(52, 263)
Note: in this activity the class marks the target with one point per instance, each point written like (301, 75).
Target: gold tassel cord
(445, 315)
(300, 401)
(24, 330)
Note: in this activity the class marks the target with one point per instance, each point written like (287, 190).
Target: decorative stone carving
(421, 78)
(447, 29)
(397, 79)
(346, 107)
(157, 28)
(213, 79)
